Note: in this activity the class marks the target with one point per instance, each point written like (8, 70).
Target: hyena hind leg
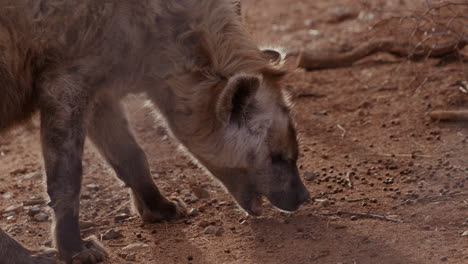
(110, 133)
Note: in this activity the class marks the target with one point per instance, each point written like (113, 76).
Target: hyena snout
(291, 197)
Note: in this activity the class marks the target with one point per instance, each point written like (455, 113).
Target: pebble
(204, 223)
(310, 176)
(135, 246)
(34, 210)
(213, 230)
(443, 258)
(354, 218)
(11, 219)
(465, 233)
(193, 212)
(7, 195)
(340, 14)
(199, 192)
(131, 257)
(41, 217)
(33, 175)
(111, 234)
(210, 230)
(93, 187)
(13, 208)
(121, 217)
(323, 202)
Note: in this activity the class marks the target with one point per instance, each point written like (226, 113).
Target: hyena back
(217, 91)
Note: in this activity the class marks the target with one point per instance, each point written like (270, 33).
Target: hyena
(218, 93)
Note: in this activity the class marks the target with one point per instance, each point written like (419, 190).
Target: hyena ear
(236, 96)
(274, 56)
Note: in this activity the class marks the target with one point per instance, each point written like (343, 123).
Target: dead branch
(33, 202)
(416, 154)
(343, 130)
(366, 215)
(319, 59)
(449, 115)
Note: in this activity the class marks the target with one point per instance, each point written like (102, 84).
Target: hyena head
(234, 119)
(255, 151)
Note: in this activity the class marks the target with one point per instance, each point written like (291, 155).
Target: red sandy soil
(368, 123)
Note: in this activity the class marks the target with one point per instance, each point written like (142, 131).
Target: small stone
(121, 217)
(354, 218)
(443, 258)
(193, 212)
(111, 234)
(33, 211)
(93, 187)
(204, 223)
(7, 195)
(33, 176)
(135, 246)
(131, 257)
(213, 230)
(41, 217)
(190, 258)
(310, 176)
(388, 180)
(340, 14)
(465, 233)
(13, 208)
(199, 192)
(11, 219)
(9, 214)
(323, 202)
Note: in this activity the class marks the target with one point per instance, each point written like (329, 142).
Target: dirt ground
(368, 124)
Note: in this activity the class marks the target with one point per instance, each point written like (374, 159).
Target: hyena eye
(277, 158)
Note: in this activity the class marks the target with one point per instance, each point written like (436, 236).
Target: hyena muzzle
(218, 93)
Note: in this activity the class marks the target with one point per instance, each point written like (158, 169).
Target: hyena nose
(304, 195)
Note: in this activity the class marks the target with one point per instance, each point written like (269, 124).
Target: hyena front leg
(63, 103)
(109, 131)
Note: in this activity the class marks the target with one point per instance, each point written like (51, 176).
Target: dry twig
(318, 59)
(343, 130)
(450, 115)
(366, 215)
(33, 202)
(349, 180)
(413, 155)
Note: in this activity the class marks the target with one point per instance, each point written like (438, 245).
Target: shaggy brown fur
(218, 93)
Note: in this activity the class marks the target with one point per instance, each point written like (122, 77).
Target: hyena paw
(48, 256)
(174, 208)
(92, 252)
(180, 207)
